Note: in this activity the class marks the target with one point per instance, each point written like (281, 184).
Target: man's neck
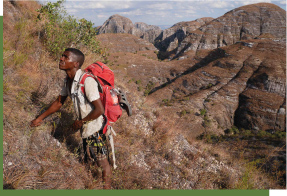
(71, 73)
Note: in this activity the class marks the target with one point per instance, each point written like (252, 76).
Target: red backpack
(109, 96)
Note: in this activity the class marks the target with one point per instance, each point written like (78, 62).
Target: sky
(156, 12)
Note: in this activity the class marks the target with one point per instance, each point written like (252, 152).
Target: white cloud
(160, 6)
(72, 11)
(255, 1)
(98, 5)
(86, 5)
(155, 11)
(219, 4)
(102, 16)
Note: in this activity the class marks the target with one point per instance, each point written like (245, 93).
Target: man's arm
(94, 114)
(55, 106)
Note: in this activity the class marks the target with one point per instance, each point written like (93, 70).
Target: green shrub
(280, 135)
(166, 102)
(202, 112)
(62, 31)
(148, 88)
(234, 130)
(182, 113)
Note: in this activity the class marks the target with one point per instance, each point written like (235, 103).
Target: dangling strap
(110, 133)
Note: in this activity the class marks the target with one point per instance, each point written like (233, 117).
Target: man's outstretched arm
(54, 107)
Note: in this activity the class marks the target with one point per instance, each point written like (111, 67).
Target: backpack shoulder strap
(84, 77)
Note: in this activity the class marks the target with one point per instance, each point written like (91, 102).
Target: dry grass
(33, 158)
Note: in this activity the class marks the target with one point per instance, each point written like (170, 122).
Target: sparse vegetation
(167, 102)
(202, 112)
(254, 161)
(148, 88)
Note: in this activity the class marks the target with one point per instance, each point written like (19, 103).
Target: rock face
(117, 24)
(147, 32)
(242, 84)
(170, 38)
(120, 24)
(262, 104)
(247, 22)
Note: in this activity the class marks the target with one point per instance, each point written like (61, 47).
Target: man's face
(67, 61)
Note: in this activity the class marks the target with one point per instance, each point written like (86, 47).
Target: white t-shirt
(85, 106)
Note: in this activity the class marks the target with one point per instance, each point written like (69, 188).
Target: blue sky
(159, 12)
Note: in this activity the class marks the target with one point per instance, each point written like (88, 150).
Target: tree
(62, 30)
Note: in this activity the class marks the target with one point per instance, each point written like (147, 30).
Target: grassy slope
(152, 150)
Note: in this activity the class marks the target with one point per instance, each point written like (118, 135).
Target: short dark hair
(80, 57)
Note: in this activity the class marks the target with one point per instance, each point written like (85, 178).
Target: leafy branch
(62, 30)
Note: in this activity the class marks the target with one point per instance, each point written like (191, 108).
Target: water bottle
(114, 95)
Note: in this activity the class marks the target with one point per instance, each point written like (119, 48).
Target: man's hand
(54, 107)
(35, 123)
(77, 124)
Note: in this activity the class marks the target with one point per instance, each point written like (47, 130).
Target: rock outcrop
(120, 24)
(117, 24)
(247, 22)
(242, 84)
(170, 38)
(147, 32)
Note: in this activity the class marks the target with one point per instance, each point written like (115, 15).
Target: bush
(62, 31)
(148, 88)
(183, 112)
(280, 135)
(202, 112)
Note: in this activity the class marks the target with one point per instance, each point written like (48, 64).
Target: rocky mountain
(248, 22)
(117, 24)
(120, 24)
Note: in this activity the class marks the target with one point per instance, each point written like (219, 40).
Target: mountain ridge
(210, 33)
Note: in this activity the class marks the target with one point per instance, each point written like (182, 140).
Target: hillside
(214, 119)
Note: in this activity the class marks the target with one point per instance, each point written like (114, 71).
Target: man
(88, 107)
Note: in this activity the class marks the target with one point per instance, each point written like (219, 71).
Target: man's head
(71, 59)
(77, 56)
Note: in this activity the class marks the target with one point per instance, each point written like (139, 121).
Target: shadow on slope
(213, 55)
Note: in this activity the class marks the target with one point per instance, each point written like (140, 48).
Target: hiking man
(88, 107)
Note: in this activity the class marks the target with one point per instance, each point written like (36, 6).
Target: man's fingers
(35, 123)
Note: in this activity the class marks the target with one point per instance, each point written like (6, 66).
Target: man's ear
(77, 65)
